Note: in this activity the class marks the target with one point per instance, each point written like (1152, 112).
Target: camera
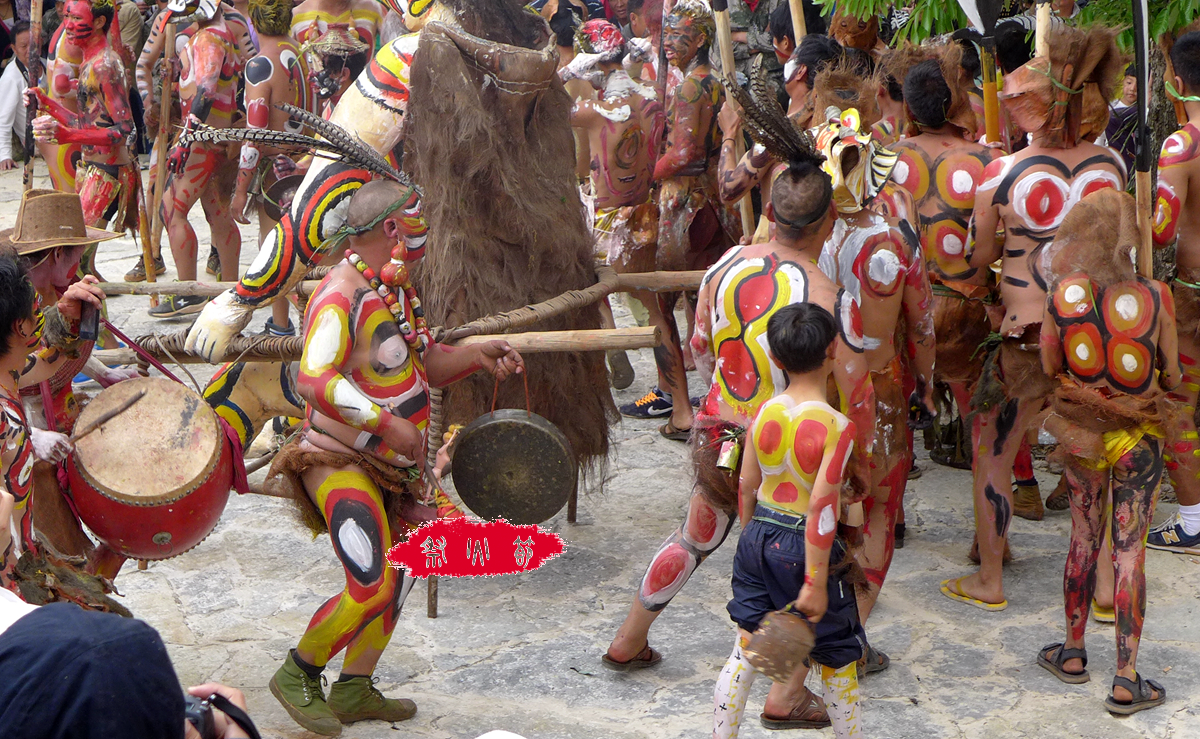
(199, 713)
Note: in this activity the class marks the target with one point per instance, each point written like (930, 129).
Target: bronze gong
(515, 465)
(277, 200)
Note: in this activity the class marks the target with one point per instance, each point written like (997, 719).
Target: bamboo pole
(1042, 29)
(991, 98)
(161, 142)
(634, 281)
(725, 45)
(35, 80)
(288, 349)
(799, 26)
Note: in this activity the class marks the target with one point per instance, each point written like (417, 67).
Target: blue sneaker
(651, 405)
(1170, 536)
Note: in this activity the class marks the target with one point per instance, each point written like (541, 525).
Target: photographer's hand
(226, 729)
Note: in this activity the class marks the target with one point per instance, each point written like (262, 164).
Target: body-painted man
(1028, 193)
(1175, 221)
(737, 298)
(338, 37)
(619, 126)
(694, 226)
(882, 268)
(102, 124)
(1109, 336)
(312, 19)
(278, 74)
(365, 372)
(210, 63)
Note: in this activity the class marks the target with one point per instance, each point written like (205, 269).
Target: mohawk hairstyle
(766, 123)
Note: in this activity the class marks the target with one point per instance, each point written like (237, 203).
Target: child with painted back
(796, 454)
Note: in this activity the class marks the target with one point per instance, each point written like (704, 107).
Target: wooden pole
(1143, 155)
(1042, 30)
(991, 97)
(35, 80)
(725, 45)
(799, 26)
(161, 142)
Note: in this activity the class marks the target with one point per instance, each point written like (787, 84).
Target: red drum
(153, 481)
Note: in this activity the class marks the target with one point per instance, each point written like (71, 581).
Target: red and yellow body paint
(364, 18)
(793, 441)
(1179, 150)
(16, 464)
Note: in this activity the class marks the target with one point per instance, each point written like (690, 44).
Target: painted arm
(922, 346)
(821, 526)
(328, 343)
(1168, 340)
(683, 146)
(1172, 190)
(69, 127)
(750, 479)
(258, 99)
(446, 365)
(155, 43)
(16, 454)
(701, 341)
(982, 246)
(1051, 343)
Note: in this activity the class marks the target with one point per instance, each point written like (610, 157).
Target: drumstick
(108, 416)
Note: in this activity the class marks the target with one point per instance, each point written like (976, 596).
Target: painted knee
(668, 571)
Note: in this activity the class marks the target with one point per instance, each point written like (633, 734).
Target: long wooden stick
(991, 98)
(799, 25)
(35, 80)
(1042, 29)
(635, 281)
(161, 142)
(107, 416)
(725, 45)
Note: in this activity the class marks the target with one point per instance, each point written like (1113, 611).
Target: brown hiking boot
(1027, 502)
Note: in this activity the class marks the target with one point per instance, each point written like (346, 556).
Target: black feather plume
(345, 142)
(766, 122)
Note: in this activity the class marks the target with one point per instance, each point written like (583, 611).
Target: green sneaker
(357, 699)
(303, 699)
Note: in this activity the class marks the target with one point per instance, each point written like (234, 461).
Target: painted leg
(1182, 456)
(1105, 572)
(1135, 482)
(998, 434)
(1079, 576)
(178, 198)
(703, 530)
(733, 687)
(890, 464)
(841, 700)
(668, 356)
(225, 234)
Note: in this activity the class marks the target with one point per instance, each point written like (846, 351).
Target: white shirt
(12, 107)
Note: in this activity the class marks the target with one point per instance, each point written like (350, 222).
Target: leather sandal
(1142, 695)
(643, 659)
(669, 431)
(1061, 655)
(808, 714)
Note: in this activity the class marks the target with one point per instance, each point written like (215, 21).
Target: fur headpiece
(271, 17)
(842, 87)
(857, 34)
(1047, 94)
(1096, 237)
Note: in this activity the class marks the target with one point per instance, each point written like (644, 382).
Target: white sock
(729, 696)
(1190, 515)
(665, 394)
(841, 700)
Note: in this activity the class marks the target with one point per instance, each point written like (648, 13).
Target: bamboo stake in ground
(725, 44)
(35, 80)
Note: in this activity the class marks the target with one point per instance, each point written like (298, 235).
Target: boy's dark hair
(799, 335)
(1185, 57)
(16, 298)
(968, 39)
(780, 24)
(927, 94)
(1014, 46)
(800, 197)
(817, 52)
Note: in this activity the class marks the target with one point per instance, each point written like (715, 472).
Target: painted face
(682, 38)
(56, 270)
(783, 49)
(77, 21)
(854, 161)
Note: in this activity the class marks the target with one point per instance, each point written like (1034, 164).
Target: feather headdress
(766, 122)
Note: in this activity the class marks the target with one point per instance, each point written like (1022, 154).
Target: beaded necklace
(395, 281)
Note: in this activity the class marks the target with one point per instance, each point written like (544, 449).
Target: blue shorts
(768, 572)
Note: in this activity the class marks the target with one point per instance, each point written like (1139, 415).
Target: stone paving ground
(521, 653)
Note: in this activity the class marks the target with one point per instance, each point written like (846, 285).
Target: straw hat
(49, 218)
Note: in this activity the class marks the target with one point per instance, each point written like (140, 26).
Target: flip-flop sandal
(873, 661)
(1060, 499)
(645, 658)
(1103, 615)
(952, 589)
(1141, 692)
(1055, 664)
(669, 431)
(809, 714)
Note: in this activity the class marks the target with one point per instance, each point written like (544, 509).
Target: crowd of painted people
(884, 253)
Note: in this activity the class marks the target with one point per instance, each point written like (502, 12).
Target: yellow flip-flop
(952, 589)
(1103, 615)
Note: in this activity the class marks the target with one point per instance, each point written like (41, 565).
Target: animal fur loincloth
(398, 484)
(626, 236)
(1012, 370)
(488, 139)
(1098, 427)
(961, 324)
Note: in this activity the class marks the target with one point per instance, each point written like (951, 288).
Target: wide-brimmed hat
(48, 219)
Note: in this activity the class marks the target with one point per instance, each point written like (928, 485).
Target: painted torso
(101, 75)
(942, 173)
(357, 361)
(1033, 190)
(212, 49)
(866, 256)
(1108, 335)
(16, 454)
(693, 140)
(619, 137)
(280, 66)
(1178, 182)
(312, 19)
(791, 439)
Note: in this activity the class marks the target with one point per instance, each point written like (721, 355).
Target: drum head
(515, 465)
(156, 451)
